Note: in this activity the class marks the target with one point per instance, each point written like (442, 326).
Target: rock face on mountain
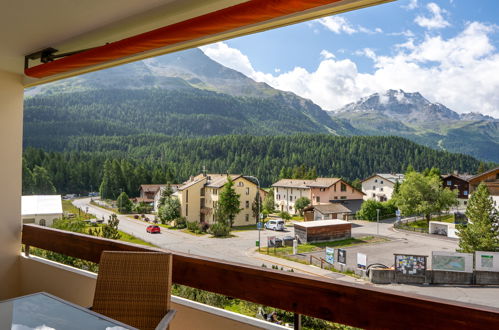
(411, 115)
(406, 107)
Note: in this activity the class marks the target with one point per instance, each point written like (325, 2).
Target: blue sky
(447, 50)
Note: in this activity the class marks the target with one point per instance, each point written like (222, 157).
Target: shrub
(205, 227)
(180, 222)
(192, 226)
(285, 215)
(219, 229)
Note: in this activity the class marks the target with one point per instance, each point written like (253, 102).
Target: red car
(153, 229)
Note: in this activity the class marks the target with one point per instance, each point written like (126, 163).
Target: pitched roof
(41, 204)
(494, 170)
(464, 177)
(151, 187)
(392, 177)
(219, 180)
(302, 183)
(332, 208)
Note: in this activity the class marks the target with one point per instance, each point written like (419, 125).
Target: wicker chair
(134, 288)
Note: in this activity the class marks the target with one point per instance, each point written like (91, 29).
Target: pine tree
(481, 168)
(268, 201)
(256, 206)
(482, 231)
(110, 230)
(124, 203)
(228, 201)
(42, 183)
(27, 179)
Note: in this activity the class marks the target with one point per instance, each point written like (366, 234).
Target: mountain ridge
(189, 94)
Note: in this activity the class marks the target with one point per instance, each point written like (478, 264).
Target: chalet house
(148, 191)
(199, 197)
(319, 191)
(460, 183)
(491, 180)
(380, 186)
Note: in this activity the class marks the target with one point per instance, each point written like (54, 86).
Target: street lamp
(377, 225)
(258, 207)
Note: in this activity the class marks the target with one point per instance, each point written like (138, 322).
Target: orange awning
(242, 15)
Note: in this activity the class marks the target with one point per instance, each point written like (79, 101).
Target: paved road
(241, 249)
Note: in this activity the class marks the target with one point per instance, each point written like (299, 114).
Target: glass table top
(42, 311)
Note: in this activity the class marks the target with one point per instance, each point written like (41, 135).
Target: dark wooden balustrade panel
(358, 305)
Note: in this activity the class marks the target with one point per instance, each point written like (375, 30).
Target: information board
(487, 261)
(330, 255)
(452, 261)
(342, 256)
(410, 264)
(361, 261)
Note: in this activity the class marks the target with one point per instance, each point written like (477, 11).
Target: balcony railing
(328, 299)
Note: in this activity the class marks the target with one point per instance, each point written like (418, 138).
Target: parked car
(153, 229)
(275, 224)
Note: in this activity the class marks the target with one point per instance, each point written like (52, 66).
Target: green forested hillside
(158, 158)
(189, 112)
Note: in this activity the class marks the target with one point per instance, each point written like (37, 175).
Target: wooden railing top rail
(353, 304)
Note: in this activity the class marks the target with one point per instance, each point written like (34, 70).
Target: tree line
(126, 162)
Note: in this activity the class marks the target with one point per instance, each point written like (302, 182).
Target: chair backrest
(134, 287)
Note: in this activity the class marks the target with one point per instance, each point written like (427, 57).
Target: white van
(275, 224)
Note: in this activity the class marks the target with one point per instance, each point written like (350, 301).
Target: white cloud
(230, 57)
(413, 4)
(459, 72)
(327, 54)
(435, 21)
(339, 24)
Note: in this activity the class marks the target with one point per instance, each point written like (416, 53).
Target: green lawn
(243, 228)
(124, 236)
(423, 224)
(68, 207)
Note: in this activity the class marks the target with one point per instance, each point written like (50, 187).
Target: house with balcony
(458, 182)
(380, 186)
(199, 197)
(318, 191)
(44, 41)
(491, 180)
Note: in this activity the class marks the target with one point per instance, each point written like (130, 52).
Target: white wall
(282, 198)
(11, 133)
(385, 188)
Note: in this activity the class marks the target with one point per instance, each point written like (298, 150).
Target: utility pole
(377, 225)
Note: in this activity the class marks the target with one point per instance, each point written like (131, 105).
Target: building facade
(459, 183)
(200, 194)
(318, 191)
(380, 186)
(491, 180)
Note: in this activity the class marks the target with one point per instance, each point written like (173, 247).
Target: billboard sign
(330, 255)
(487, 261)
(410, 264)
(452, 261)
(361, 261)
(342, 256)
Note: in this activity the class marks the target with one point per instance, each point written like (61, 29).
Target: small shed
(327, 211)
(323, 230)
